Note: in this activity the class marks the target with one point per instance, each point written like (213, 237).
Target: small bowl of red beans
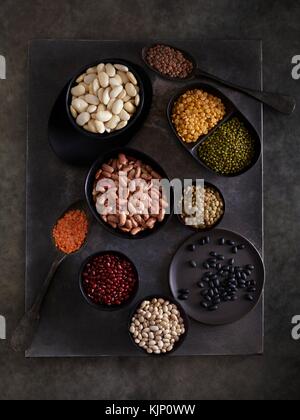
(108, 280)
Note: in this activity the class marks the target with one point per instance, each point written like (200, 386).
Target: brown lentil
(195, 113)
(71, 231)
(169, 61)
(213, 206)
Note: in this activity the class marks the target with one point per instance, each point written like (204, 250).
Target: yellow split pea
(195, 113)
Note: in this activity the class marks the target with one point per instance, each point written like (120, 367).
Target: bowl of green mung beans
(232, 149)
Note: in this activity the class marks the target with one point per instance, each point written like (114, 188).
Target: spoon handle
(282, 103)
(24, 333)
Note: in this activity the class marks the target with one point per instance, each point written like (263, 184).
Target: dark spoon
(282, 103)
(25, 331)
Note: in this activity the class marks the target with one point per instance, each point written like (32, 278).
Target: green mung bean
(230, 149)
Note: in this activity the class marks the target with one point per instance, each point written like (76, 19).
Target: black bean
(202, 242)
(248, 272)
(250, 267)
(218, 266)
(207, 240)
(213, 308)
(208, 298)
(184, 291)
(212, 260)
(234, 250)
(208, 274)
(193, 264)
(217, 282)
(204, 305)
(221, 257)
(204, 293)
(211, 293)
(252, 289)
(183, 297)
(217, 301)
(212, 265)
(253, 283)
(241, 247)
(231, 261)
(230, 243)
(221, 241)
(244, 276)
(213, 254)
(205, 279)
(227, 298)
(249, 297)
(192, 248)
(234, 298)
(200, 284)
(211, 284)
(206, 266)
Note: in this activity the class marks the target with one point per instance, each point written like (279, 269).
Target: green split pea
(230, 149)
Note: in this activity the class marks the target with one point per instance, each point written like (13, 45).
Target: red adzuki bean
(109, 279)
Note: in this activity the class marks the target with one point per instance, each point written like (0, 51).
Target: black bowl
(76, 146)
(182, 313)
(107, 137)
(231, 112)
(89, 185)
(207, 229)
(102, 307)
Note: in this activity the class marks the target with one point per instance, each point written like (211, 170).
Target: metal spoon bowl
(281, 103)
(25, 331)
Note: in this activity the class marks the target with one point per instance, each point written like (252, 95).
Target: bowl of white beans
(158, 326)
(106, 99)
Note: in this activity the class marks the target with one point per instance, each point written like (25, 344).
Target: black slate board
(69, 327)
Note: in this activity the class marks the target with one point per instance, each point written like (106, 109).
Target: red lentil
(71, 231)
(109, 279)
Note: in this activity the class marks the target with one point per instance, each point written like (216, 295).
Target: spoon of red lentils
(69, 235)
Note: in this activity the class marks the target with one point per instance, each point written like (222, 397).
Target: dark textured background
(276, 375)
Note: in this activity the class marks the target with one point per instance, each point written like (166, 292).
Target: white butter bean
(124, 115)
(129, 107)
(100, 127)
(104, 116)
(91, 109)
(122, 68)
(132, 78)
(92, 100)
(130, 89)
(103, 79)
(83, 119)
(89, 78)
(78, 90)
(80, 105)
(117, 107)
(106, 96)
(110, 70)
(116, 91)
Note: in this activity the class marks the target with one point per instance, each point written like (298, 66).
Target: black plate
(231, 112)
(183, 276)
(89, 185)
(183, 315)
(77, 147)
